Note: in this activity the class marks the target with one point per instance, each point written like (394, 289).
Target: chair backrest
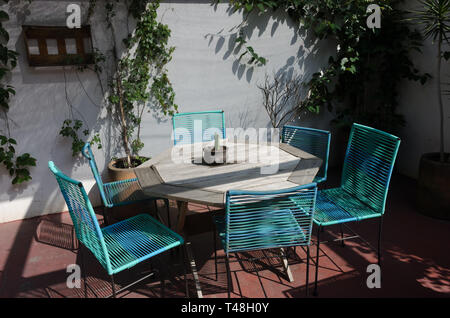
(262, 220)
(83, 217)
(368, 165)
(314, 141)
(87, 153)
(211, 122)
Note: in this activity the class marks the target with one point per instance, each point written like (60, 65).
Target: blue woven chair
(211, 122)
(119, 246)
(184, 125)
(314, 141)
(367, 171)
(121, 192)
(266, 220)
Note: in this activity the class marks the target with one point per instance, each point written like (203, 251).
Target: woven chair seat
(334, 206)
(136, 239)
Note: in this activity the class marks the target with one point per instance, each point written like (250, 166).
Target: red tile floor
(35, 253)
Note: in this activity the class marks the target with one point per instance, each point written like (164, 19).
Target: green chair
(119, 246)
(121, 192)
(314, 141)
(184, 125)
(256, 221)
(367, 172)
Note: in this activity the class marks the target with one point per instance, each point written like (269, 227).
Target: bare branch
(282, 98)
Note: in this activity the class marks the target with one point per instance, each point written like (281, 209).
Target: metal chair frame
(112, 245)
(367, 171)
(109, 190)
(214, 119)
(314, 141)
(286, 214)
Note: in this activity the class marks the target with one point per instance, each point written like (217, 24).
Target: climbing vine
(361, 80)
(17, 164)
(139, 77)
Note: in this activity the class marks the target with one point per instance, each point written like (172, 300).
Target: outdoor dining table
(180, 174)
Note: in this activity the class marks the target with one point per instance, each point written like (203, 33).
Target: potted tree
(139, 77)
(434, 171)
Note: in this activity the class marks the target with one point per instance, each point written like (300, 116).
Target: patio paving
(34, 255)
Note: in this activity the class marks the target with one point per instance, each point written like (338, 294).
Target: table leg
(286, 265)
(182, 209)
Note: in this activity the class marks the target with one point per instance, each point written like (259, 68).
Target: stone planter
(115, 173)
(433, 194)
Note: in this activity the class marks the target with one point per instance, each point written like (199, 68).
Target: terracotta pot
(116, 174)
(433, 194)
(125, 211)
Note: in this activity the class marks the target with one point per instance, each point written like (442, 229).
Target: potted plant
(139, 77)
(434, 171)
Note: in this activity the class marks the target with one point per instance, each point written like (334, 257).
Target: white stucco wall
(204, 71)
(205, 74)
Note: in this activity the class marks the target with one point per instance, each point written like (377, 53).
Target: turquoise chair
(212, 122)
(266, 220)
(183, 126)
(314, 141)
(121, 192)
(119, 246)
(366, 175)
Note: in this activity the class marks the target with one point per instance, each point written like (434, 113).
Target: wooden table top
(179, 174)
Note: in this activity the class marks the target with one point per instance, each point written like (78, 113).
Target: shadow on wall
(308, 58)
(260, 29)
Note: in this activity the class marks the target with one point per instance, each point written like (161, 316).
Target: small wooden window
(58, 46)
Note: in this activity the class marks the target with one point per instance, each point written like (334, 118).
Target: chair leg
(163, 283)
(215, 250)
(317, 259)
(229, 280)
(185, 264)
(113, 286)
(83, 269)
(380, 230)
(307, 270)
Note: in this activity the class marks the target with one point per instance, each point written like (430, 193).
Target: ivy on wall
(361, 80)
(17, 164)
(139, 75)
